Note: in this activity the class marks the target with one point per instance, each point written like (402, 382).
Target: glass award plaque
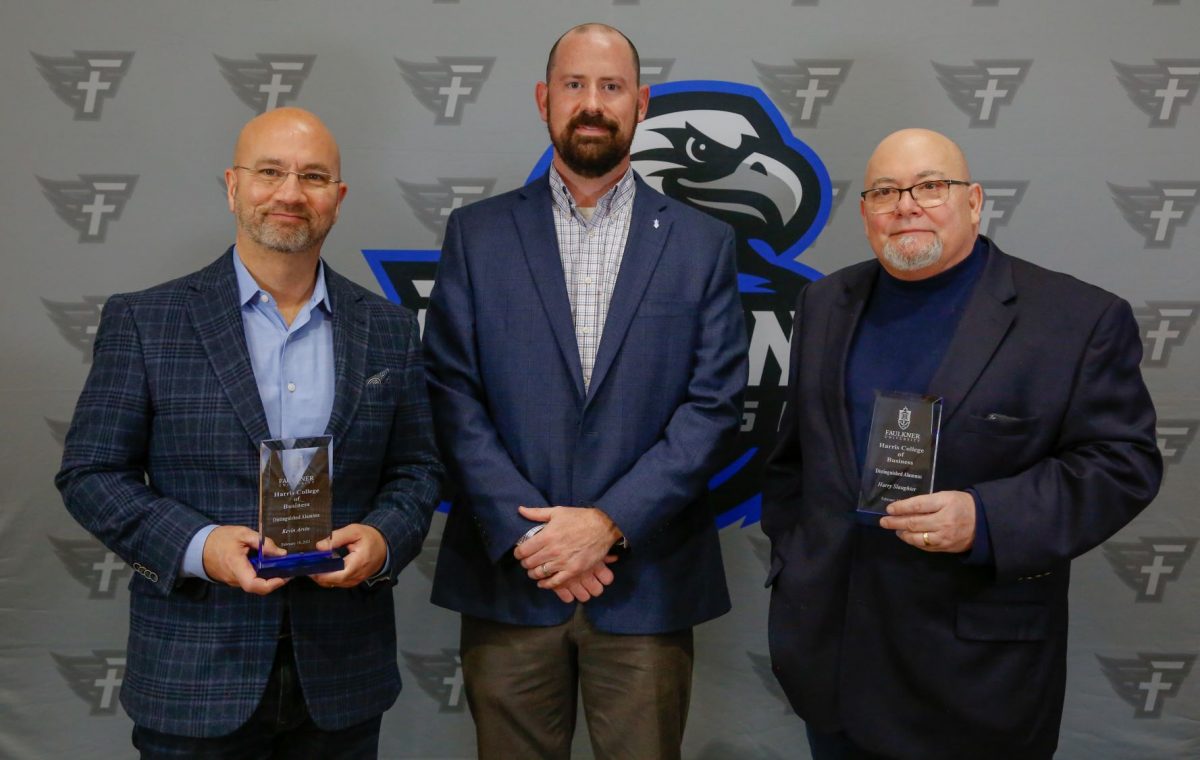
(295, 506)
(901, 451)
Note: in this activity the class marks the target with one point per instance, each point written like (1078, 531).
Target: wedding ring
(546, 573)
(925, 538)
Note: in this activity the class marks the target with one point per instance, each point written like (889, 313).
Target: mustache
(294, 210)
(593, 119)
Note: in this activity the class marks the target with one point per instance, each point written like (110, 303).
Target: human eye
(883, 193)
(933, 185)
(612, 87)
(315, 178)
(268, 172)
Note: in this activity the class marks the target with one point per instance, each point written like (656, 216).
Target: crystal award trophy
(295, 506)
(901, 451)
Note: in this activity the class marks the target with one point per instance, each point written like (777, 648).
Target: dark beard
(591, 157)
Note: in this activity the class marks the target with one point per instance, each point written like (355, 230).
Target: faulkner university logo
(440, 676)
(1164, 326)
(725, 149)
(77, 321)
(447, 85)
(1161, 89)
(904, 418)
(979, 90)
(1156, 211)
(1000, 200)
(91, 564)
(802, 89)
(91, 202)
(1147, 680)
(1174, 437)
(432, 204)
(95, 678)
(1148, 564)
(268, 80)
(655, 70)
(86, 79)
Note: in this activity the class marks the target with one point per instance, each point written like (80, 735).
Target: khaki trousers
(522, 684)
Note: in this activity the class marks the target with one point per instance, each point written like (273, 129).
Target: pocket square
(377, 378)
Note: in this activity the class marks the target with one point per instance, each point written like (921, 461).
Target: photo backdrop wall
(1078, 116)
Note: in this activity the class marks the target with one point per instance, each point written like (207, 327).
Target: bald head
(914, 242)
(287, 125)
(596, 28)
(940, 153)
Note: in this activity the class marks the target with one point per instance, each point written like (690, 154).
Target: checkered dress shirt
(591, 253)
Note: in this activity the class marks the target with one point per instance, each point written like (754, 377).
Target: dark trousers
(279, 729)
(522, 684)
(836, 745)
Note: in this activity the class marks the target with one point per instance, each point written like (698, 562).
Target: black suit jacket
(917, 654)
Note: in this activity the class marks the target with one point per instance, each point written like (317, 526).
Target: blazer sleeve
(476, 459)
(1106, 467)
(674, 472)
(411, 477)
(103, 475)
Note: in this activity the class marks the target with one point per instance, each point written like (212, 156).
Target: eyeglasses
(927, 194)
(273, 175)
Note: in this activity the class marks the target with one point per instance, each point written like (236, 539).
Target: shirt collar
(248, 289)
(611, 202)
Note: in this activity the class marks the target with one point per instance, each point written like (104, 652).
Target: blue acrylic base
(867, 517)
(307, 563)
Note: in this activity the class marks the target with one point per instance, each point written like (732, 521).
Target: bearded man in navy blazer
(587, 357)
(942, 632)
(162, 465)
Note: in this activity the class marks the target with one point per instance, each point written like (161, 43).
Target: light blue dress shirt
(293, 366)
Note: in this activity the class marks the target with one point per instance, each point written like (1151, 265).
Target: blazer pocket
(996, 423)
(991, 621)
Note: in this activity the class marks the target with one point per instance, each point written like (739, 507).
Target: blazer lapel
(535, 226)
(980, 331)
(351, 330)
(217, 318)
(648, 230)
(839, 333)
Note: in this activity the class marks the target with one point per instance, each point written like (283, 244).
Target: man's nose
(289, 188)
(907, 203)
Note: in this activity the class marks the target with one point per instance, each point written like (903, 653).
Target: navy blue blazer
(165, 440)
(516, 428)
(916, 654)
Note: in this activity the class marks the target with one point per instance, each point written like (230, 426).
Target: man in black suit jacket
(941, 632)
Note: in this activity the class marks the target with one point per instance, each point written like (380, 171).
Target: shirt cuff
(193, 558)
(981, 549)
(384, 573)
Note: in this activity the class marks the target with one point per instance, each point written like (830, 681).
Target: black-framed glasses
(273, 175)
(927, 194)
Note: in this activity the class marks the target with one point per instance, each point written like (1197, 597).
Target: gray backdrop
(1078, 116)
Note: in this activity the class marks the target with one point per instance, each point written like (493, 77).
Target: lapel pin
(655, 224)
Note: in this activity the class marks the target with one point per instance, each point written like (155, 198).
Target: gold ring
(545, 572)
(925, 538)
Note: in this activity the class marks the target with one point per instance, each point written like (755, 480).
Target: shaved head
(295, 122)
(942, 153)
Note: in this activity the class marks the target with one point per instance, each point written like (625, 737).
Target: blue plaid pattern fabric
(165, 440)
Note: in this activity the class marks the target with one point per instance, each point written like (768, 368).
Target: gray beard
(911, 260)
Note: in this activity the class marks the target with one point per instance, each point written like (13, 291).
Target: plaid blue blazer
(165, 440)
